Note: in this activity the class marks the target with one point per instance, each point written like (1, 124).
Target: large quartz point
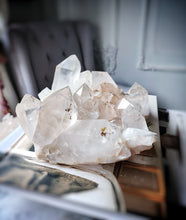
(67, 73)
(44, 121)
(87, 142)
(85, 118)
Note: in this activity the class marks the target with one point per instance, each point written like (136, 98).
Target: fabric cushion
(36, 49)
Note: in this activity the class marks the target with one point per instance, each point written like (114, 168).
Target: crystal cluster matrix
(85, 118)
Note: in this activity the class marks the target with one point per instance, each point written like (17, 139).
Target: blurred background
(140, 41)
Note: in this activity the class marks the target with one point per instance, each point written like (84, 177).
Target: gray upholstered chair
(36, 48)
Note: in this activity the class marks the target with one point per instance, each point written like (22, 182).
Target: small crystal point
(131, 118)
(27, 113)
(44, 93)
(138, 140)
(138, 96)
(84, 78)
(85, 92)
(101, 77)
(87, 108)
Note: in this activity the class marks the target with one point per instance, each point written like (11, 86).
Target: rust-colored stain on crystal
(103, 133)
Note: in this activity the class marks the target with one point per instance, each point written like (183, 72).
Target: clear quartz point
(138, 140)
(28, 113)
(44, 121)
(138, 96)
(87, 107)
(131, 118)
(67, 73)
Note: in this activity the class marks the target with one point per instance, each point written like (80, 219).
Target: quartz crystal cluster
(85, 118)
